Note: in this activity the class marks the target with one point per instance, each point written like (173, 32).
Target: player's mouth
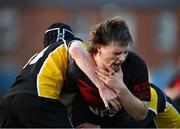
(115, 67)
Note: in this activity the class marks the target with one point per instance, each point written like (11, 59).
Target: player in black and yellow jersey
(162, 113)
(161, 107)
(32, 101)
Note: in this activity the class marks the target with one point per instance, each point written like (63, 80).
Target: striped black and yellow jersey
(166, 116)
(44, 73)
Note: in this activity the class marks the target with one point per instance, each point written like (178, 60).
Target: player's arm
(140, 94)
(88, 125)
(86, 64)
(137, 108)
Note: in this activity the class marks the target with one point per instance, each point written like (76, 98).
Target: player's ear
(98, 47)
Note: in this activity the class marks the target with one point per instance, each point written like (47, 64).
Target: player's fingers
(101, 71)
(106, 104)
(80, 126)
(120, 71)
(105, 79)
(101, 76)
(113, 104)
(102, 79)
(111, 71)
(118, 103)
(113, 95)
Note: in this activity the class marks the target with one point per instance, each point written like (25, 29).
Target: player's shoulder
(73, 66)
(54, 46)
(157, 89)
(134, 57)
(162, 99)
(135, 61)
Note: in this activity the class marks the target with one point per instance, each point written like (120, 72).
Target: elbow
(141, 116)
(143, 112)
(75, 52)
(78, 53)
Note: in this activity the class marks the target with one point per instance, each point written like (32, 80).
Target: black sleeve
(72, 74)
(69, 42)
(137, 77)
(130, 122)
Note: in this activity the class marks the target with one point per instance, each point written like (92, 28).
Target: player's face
(112, 56)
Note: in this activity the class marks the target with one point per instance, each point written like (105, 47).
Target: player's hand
(88, 125)
(109, 97)
(112, 79)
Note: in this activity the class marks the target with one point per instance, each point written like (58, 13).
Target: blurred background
(154, 25)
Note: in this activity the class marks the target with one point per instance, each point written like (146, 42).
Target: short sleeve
(136, 77)
(71, 78)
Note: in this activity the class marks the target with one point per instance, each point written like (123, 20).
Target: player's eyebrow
(119, 53)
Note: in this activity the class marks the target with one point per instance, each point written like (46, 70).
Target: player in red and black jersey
(162, 114)
(88, 106)
(119, 68)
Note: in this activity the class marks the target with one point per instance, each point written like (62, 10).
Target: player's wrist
(122, 91)
(101, 86)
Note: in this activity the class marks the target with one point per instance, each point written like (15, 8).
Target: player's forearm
(85, 63)
(135, 107)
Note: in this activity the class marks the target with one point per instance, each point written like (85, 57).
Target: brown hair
(114, 30)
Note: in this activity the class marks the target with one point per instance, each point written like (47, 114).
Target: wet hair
(110, 31)
(57, 32)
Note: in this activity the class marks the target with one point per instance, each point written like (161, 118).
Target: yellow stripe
(170, 118)
(154, 101)
(51, 76)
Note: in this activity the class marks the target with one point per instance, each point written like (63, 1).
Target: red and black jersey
(135, 77)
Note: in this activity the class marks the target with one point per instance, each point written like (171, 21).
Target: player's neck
(98, 62)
